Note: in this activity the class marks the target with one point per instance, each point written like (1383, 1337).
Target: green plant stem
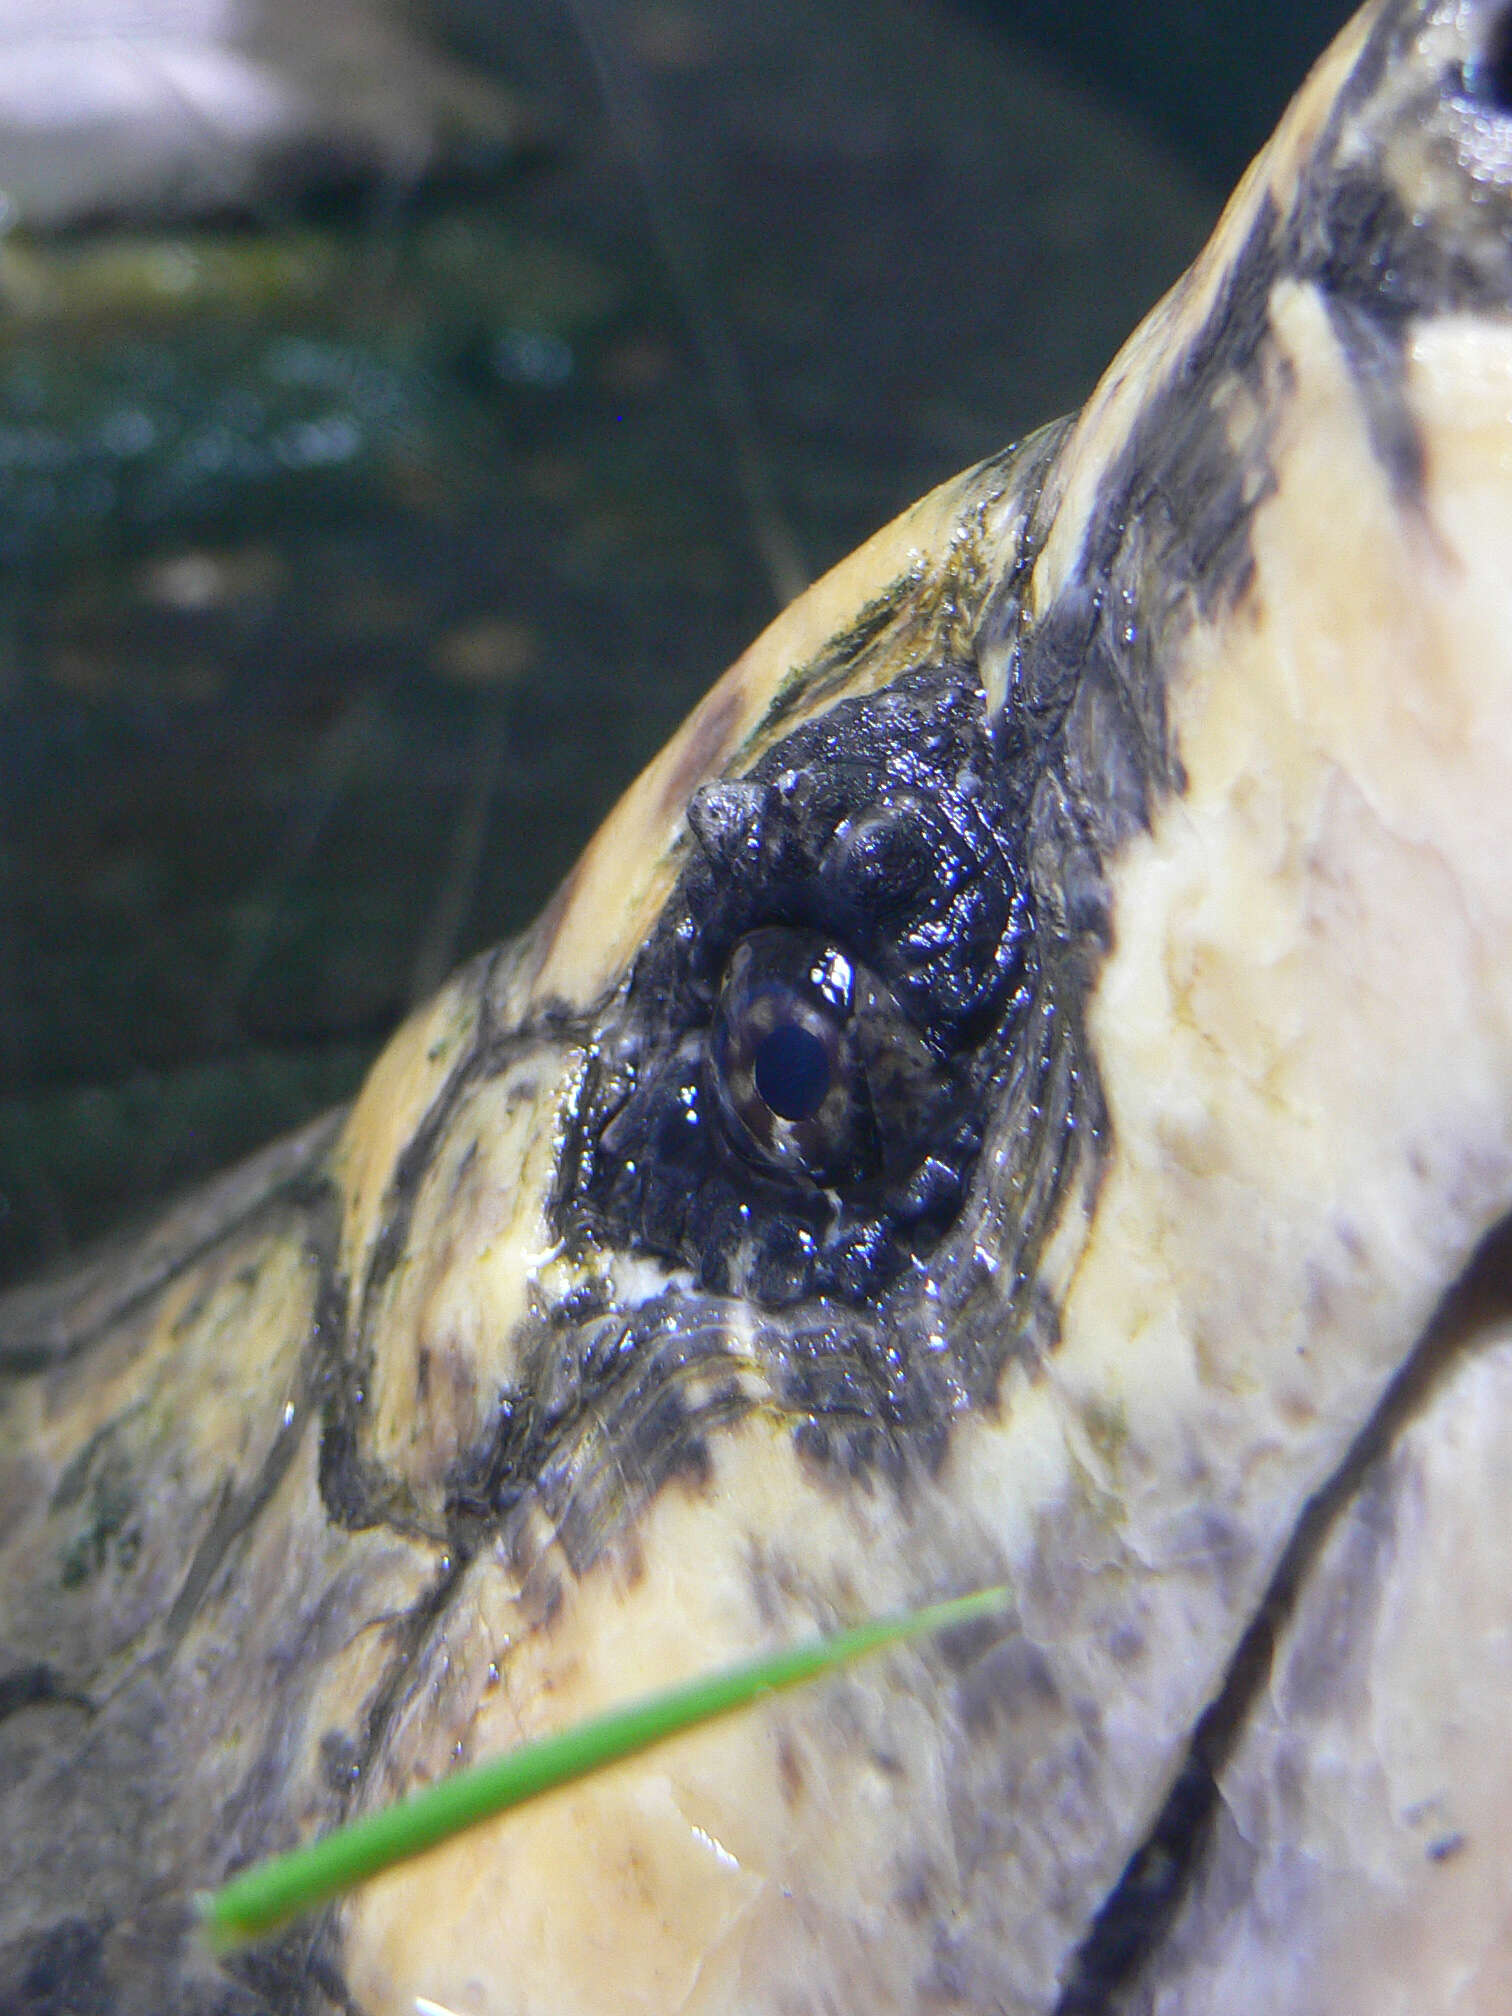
(267, 1895)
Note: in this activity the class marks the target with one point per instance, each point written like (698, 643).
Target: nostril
(1491, 76)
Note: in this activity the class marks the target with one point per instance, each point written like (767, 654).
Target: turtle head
(1002, 1098)
(1019, 1092)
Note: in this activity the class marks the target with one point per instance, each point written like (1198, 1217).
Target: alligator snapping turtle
(1021, 1090)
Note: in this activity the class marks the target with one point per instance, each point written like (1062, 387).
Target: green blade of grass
(266, 1896)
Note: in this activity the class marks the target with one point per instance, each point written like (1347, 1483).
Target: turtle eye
(783, 1056)
(819, 1073)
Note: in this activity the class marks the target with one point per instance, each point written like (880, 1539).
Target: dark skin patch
(36, 1686)
(834, 669)
(915, 616)
(406, 1634)
(593, 1472)
(790, 1773)
(109, 1534)
(340, 1761)
(59, 1972)
(1378, 265)
(73, 1479)
(1170, 534)
(1372, 328)
(238, 1510)
(842, 1455)
(915, 1895)
(300, 1971)
(1395, 28)
(713, 727)
(356, 1490)
(1491, 74)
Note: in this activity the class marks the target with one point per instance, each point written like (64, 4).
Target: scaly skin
(1152, 782)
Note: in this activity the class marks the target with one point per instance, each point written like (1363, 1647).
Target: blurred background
(406, 411)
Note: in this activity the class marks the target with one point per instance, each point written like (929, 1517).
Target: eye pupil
(792, 1071)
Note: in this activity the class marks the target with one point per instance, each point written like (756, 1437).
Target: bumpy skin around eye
(857, 902)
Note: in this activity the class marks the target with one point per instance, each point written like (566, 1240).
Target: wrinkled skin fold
(1020, 1091)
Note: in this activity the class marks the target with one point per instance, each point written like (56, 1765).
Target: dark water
(353, 557)
(1210, 77)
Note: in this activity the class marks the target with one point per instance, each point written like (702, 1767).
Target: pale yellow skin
(1304, 1037)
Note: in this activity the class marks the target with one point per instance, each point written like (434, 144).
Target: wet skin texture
(968, 1118)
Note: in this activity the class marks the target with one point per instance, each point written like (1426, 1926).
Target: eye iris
(792, 1071)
